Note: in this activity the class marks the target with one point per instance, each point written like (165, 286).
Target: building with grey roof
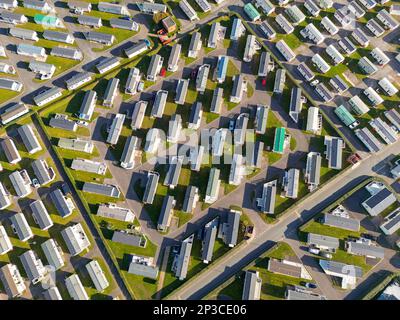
(164, 219)
(217, 100)
(141, 266)
(114, 8)
(95, 167)
(368, 139)
(174, 56)
(291, 183)
(213, 186)
(174, 171)
(24, 34)
(8, 4)
(334, 151)
(5, 197)
(195, 115)
(115, 129)
(387, 87)
(296, 104)
(266, 203)
(47, 96)
(341, 222)
(208, 240)
(265, 65)
(386, 132)
(58, 36)
(254, 154)
(13, 112)
(124, 24)
(100, 37)
(53, 253)
(229, 229)
(391, 222)
(373, 96)
(79, 7)
(381, 198)
(29, 138)
(13, 18)
(39, 5)
(138, 113)
(97, 275)
(239, 86)
(151, 187)
(373, 26)
(52, 294)
(154, 68)
(268, 30)
(107, 190)
(131, 85)
(174, 128)
(338, 84)
(10, 84)
(183, 258)
(136, 49)
(111, 92)
(10, 150)
(202, 77)
(322, 242)
(43, 69)
(252, 286)
(347, 273)
(107, 64)
(394, 117)
(90, 21)
(181, 91)
(21, 182)
(13, 283)
(151, 7)
(43, 172)
(359, 248)
(61, 121)
(280, 79)
(131, 146)
(5, 242)
(131, 239)
(77, 144)
(191, 199)
(78, 80)
(62, 203)
(367, 66)
(387, 20)
(313, 170)
(76, 239)
(112, 211)
(159, 104)
(188, 10)
(285, 25)
(68, 53)
(33, 266)
(75, 288)
(295, 293)
(195, 45)
(40, 215)
(88, 104)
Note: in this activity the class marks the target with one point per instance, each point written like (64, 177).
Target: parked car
(231, 126)
(35, 183)
(140, 86)
(309, 285)
(82, 123)
(163, 72)
(313, 250)
(369, 236)
(264, 82)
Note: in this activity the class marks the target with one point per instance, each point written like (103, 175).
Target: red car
(264, 82)
(163, 72)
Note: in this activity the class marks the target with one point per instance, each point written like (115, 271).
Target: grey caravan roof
(174, 171)
(217, 100)
(47, 94)
(60, 203)
(191, 192)
(77, 78)
(165, 212)
(210, 233)
(28, 138)
(143, 270)
(42, 171)
(106, 63)
(233, 227)
(159, 103)
(41, 215)
(184, 257)
(122, 23)
(71, 53)
(195, 112)
(321, 240)
(251, 286)
(151, 187)
(111, 90)
(135, 49)
(129, 149)
(103, 189)
(381, 200)
(181, 91)
(56, 35)
(136, 240)
(63, 123)
(29, 260)
(364, 249)
(88, 99)
(52, 252)
(261, 119)
(21, 226)
(341, 222)
(52, 294)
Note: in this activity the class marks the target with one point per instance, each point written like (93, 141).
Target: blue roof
(222, 66)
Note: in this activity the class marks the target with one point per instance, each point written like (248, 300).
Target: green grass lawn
(6, 95)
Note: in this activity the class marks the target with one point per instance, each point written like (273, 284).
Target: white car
(35, 183)
(314, 83)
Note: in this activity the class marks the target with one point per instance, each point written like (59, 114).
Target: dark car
(369, 236)
(309, 285)
(193, 75)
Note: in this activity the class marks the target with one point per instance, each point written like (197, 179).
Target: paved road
(232, 263)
